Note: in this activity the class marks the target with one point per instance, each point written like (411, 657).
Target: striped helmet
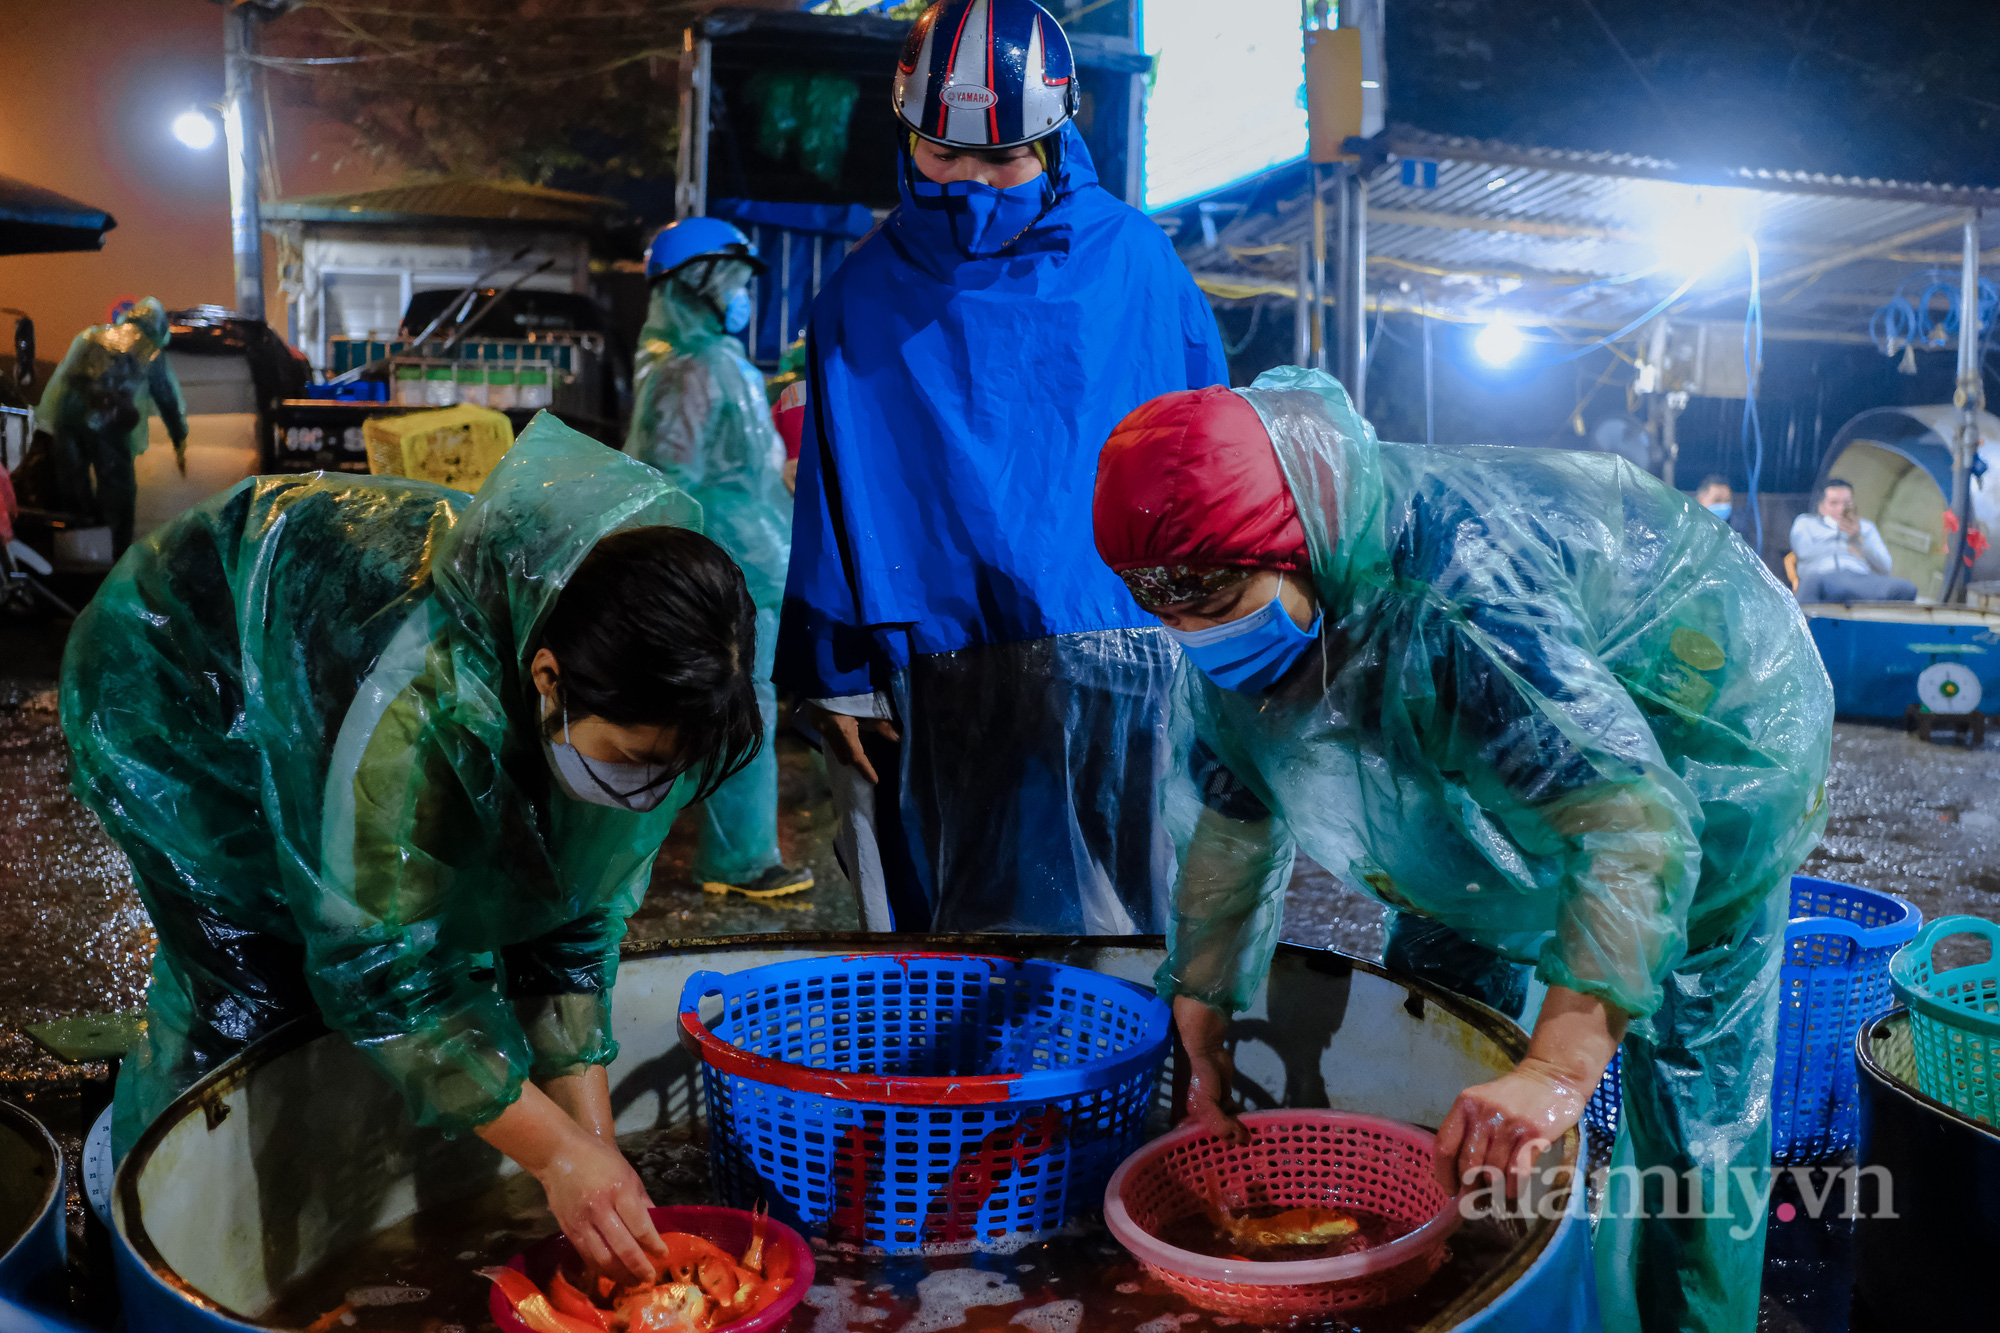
(985, 74)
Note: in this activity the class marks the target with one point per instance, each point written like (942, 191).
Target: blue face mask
(1720, 508)
(1252, 653)
(983, 219)
(736, 314)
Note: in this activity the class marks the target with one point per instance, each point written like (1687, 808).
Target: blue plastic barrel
(1557, 1293)
(33, 1242)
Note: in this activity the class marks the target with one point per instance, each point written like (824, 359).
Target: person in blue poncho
(993, 701)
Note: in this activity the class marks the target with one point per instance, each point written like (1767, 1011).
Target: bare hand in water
(596, 1196)
(600, 1204)
(1506, 1124)
(1203, 1030)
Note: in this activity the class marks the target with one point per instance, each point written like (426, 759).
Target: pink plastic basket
(727, 1227)
(1294, 1159)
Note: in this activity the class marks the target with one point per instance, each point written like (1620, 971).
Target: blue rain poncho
(961, 404)
(303, 710)
(1562, 712)
(700, 415)
(942, 555)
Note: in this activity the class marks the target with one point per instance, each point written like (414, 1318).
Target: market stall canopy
(1467, 230)
(34, 221)
(481, 202)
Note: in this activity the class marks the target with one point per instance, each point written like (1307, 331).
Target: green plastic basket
(1954, 1018)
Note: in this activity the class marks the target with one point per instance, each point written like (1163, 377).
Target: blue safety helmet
(689, 239)
(985, 74)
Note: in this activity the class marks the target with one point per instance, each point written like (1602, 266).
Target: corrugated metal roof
(451, 200)
(1408, 141)
(1577, 238)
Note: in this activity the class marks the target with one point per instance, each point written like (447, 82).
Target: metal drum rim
(35, 1132)
(128, 1226)
(1864, 1058)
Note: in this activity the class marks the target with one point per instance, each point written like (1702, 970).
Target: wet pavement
(1915, 818)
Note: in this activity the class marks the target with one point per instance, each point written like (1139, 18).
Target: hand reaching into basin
(1202, 1030)
(594, 1193)
(1508, 1123)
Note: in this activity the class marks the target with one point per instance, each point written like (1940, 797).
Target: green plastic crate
(1954, 1018)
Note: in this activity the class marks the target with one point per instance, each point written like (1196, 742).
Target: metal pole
(1354, 259)
(1319, 360)
(1343, 297)
(1670, 439)
(1302, 298)
(755, 303)
(1430, 430)
(1970, 399)
(240, 129)
(691, 157)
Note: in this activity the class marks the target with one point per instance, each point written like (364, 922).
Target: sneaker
(777, 882)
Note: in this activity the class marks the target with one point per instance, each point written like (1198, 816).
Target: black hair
(1831, 483)
(1714, 479)
(656, 628)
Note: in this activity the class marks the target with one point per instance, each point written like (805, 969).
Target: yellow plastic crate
(453, 446)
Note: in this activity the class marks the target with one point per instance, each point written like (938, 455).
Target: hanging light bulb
(1498, 343)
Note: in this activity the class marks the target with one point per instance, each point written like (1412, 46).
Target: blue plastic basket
(905, 1100)
(1835, 978)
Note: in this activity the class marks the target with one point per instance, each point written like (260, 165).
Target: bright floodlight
(194, 129)
(1498, 343)
(1701, 233)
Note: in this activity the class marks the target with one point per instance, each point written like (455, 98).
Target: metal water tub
(33, 1240)
(296, 1151)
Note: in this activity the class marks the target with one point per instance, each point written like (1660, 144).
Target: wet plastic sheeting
(1566, 692)
(352, 788)
(1025, 770)
(701, 417)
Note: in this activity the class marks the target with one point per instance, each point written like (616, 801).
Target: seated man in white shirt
(1841, 555)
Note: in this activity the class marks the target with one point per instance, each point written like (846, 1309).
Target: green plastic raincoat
(112, 379)
(302, 709)
(700, 415)
(1564, 713)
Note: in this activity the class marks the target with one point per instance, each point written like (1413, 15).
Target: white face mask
(635, 787)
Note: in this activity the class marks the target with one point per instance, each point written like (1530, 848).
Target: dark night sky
(1861, 87)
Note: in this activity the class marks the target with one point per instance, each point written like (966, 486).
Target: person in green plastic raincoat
(364, 739)
(1544, 708)
(700, 415)
(95, 407)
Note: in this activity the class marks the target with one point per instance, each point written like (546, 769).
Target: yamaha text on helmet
(689, 239)
(985, 74)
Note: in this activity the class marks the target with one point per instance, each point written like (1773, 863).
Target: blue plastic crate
(905, 1100)
(1835, 978)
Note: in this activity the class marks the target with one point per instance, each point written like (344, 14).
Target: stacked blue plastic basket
(1836, 977)
(906, 1100)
